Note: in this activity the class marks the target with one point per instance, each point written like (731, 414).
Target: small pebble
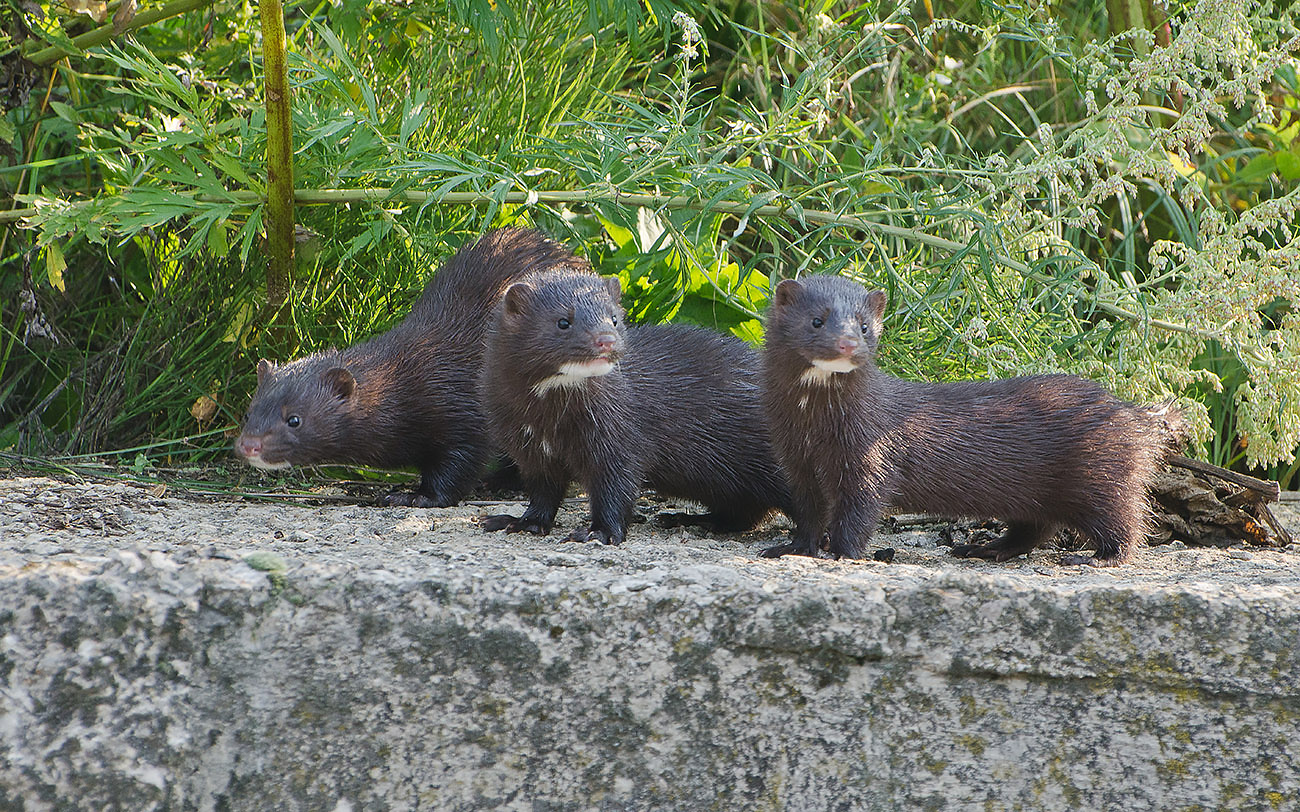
(1240, 555)
(1175, 545)
(885, 554)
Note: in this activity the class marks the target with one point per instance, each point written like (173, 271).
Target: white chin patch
(837, 365)
(574, 374)
(822, 370)
(258, 462)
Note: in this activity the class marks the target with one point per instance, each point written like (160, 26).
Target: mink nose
(248, 446)
(847, 345)
(605, 341)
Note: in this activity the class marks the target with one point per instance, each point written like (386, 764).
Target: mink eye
(866, 328)
(614, 319)
(817, 323)
(563, 324)
(293, 421)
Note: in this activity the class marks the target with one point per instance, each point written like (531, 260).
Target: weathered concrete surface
(144, 664)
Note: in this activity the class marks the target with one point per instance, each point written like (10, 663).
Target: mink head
(298, 412)
(561, 327)
(829, 322)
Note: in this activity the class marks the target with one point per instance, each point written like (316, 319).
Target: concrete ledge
(369, 662)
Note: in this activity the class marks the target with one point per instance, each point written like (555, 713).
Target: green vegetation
(1039, 187)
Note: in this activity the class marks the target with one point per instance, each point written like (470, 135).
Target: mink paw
(789, 548)
(512, 524)
(584, 534)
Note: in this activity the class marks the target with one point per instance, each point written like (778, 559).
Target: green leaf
(620, 235)
(1259, 168)
(1288, 163)
(415, 113)
(218, 242)
(64, 112)
(55, 265)
(751, 331)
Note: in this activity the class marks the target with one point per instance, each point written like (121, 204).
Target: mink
(573, 393)
(408, 397)
(1040, 452)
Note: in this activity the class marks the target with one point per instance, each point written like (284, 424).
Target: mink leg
(612, 496)
(544, 496)
(505, 476)
(445, 482)
(1020, 538)
(853, 524)
(1115, 537)
(809, 514)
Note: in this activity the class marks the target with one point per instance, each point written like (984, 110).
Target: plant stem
(279, 155)
(106, 32)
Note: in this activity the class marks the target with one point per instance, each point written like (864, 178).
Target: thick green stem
(279, 155)
(106, 32)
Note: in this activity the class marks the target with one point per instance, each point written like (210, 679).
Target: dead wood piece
(1266, 488)
(1204, 505)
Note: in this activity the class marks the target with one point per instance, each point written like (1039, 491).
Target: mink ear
(614, 288)
(786, 292)
(876, 300)
(517, 296)
(341, 381)
(264, 368)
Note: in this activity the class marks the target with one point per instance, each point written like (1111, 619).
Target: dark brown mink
(408, 397)
(1039, 452)
(571, 393)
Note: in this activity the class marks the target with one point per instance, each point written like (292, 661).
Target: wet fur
(1037, 452)
(680, 412)
(407, 397)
